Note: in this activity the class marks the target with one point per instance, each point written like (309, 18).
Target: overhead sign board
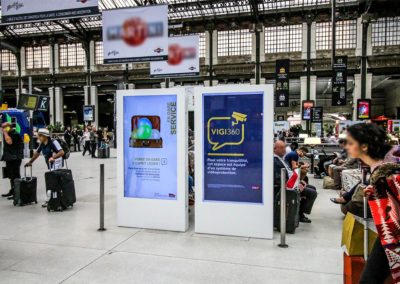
(28, 102)
(20, 11)
(183, 58)
(135, 34)
(339, 81)
(282, 83)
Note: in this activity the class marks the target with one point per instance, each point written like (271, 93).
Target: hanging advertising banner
(150, 143)
(88, 113)
(39, 10)
(306, 110)
(135, 34)
(364, 109)
(282, 83)
(339, 81)
(233, 147)
(317, 114)
(183, 59)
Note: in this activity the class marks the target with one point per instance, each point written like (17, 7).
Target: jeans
(377, 268)
(93, 146)
(308, 196)
(86, 148)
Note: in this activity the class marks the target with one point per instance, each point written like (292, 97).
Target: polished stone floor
(41, 247)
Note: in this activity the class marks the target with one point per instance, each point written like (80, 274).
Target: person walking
(52, 152)
(368, 142)
(68, 136)
(86, 142)
(93, 141)
(77, 139)
(13, 153)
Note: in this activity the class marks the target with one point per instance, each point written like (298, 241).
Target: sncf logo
(135, 31)
(176, 54)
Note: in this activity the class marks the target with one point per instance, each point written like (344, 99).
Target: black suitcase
(25, 190)
(292, 211)
(103, 152)
(61, 185)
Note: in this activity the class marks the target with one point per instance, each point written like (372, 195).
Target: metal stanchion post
(102, 198)
(283, 209)
(366, 245)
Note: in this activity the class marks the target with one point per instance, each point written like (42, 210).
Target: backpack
(65, 148)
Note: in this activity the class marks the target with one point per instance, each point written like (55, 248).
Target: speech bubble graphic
(231, 135)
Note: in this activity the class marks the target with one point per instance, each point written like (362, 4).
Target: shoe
(334, 200)
(10, 197)
(7, 194)
(304, 219)
(44, 205)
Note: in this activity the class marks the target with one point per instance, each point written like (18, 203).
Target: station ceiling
(185, 12)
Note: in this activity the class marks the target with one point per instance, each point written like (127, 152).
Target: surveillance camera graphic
(239, 117)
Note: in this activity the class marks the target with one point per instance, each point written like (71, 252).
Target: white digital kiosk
(234, 160)
(152, 168)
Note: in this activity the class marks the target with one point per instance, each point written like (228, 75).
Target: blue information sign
(233, 147)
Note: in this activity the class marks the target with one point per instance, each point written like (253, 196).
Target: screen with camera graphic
(150, 147)
(233, 147)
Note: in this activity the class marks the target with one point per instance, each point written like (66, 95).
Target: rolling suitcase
(104, 151)
(292, 211)
(60, 184)
(25, 190)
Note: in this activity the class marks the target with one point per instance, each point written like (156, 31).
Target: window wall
(234, 42)
(386, 32)
(72, 55)
(346, 35)
(8, 61)
(280, 39)
(98, 53)
(37, 57)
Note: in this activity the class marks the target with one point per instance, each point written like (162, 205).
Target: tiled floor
(41, 247)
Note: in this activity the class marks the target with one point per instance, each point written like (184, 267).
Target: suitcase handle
(31, 177)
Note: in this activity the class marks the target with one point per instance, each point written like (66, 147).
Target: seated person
(292, 158)
(325, 161)
(308, 193)
(336, 170)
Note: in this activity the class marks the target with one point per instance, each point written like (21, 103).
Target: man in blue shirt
(292, 158)
(51, 150)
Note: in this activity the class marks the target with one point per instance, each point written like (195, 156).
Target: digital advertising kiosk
(234, 160)
(152, 167)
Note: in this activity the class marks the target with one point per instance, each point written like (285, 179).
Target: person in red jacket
(367, 142)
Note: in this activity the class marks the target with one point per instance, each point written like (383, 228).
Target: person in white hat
(50, 148)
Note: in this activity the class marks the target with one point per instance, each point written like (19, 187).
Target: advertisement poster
(281, 126)
(39, 10)
(150, 147)
(135, 34)
(233, 147)
(317, 114)
(88, 113)
(306, 110)
(282, 83)
(183, 58)
(364, 109)
(339, 81)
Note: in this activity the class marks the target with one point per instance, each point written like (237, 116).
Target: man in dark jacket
(308, 192)
(13, 155)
